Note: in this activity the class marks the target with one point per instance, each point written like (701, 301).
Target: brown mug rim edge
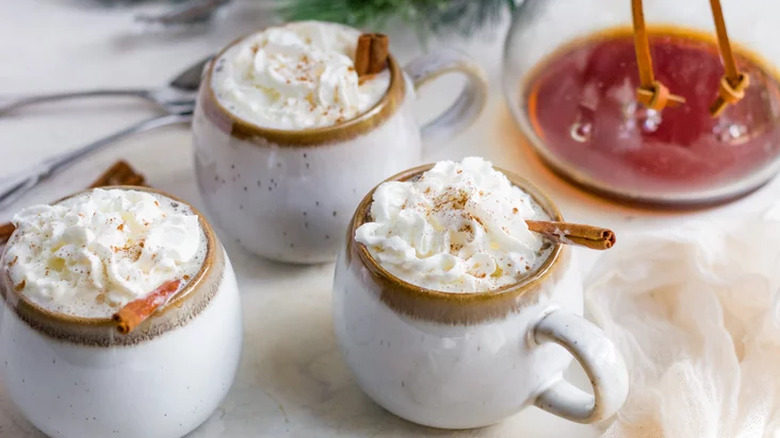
(364, 122)
(181, 296)
(528, 283)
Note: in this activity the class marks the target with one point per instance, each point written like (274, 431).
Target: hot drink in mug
(288, 135)
(69, 268)
(451, 312)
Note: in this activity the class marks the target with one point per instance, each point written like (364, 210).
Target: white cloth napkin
(696, 313)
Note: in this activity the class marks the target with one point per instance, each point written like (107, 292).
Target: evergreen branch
(436, 16)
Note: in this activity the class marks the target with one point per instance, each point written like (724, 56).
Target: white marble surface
(292, 381)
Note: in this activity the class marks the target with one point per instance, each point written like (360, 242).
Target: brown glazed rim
(455, 308)
(25, 304)
(246, 130)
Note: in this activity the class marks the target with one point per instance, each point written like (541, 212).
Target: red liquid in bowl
(582, 106)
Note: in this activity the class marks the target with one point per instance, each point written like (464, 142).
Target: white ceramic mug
(464, 360)
(288, 195)
(77, 377)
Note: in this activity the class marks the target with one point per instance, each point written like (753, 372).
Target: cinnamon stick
(119, 174)
(371, 55)
(588, 236)
(6, 230)
(135, 312)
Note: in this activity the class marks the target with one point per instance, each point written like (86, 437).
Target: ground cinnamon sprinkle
(466, 228)
(132, 252)
(450, 200)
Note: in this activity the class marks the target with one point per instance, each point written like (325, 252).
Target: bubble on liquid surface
(730, 132)
(637, 116)
(649, 120)
(582, 128)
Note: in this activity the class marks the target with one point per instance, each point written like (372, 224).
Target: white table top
(292, 381)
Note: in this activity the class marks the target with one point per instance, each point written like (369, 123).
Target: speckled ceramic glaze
(79, 378)
(471, 359)
(288, 195)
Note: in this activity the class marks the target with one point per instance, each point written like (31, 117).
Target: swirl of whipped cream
(92, 253)
(297, 76)
(459, 227)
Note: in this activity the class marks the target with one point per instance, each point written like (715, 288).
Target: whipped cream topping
(93, 253)
(297, 76)
(459, 227)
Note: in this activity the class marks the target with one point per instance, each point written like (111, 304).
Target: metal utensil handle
(15, 186)
(67, 158)
(19, 102)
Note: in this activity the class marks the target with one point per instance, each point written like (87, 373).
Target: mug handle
(601, 361)
(469, 103)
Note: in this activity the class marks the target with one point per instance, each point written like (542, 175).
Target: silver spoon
(180, 91)
(12, 187)
(177, 99)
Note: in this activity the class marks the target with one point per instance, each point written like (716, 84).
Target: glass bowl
(571, 79)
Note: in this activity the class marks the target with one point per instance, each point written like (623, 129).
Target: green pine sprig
(425, 16)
